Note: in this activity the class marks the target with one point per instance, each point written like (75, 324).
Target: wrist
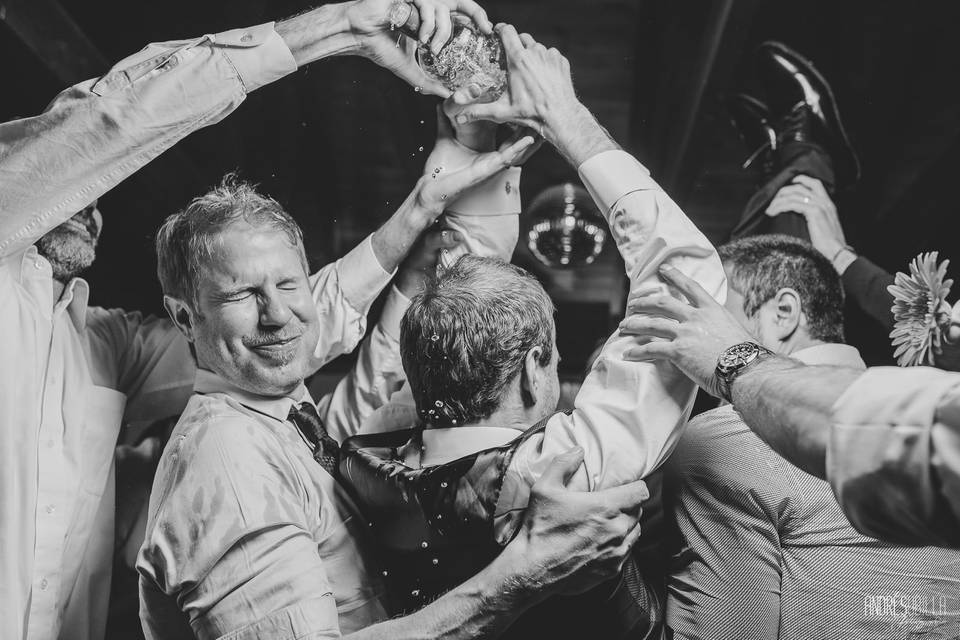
(518, 575)
(842, 258)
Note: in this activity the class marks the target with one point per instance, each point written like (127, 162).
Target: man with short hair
(70, 374)
(479, 353)
(250, 532)
(766, 551)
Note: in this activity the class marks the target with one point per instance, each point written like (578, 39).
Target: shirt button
(246, 38)
(50, 509)
(43, 584)
(50, 444)
(38, 265)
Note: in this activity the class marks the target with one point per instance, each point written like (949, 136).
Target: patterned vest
(433, 528)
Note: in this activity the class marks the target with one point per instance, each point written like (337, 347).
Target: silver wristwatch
(733, 361)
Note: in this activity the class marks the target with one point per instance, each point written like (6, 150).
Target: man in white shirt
(250, 533)
(69, 374)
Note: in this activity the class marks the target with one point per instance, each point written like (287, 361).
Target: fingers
(953, 331)
(648, 326)
(813, 184)
(475, 12)
(650, 352)
(627, 498)
(428, 20)
(696, 294)
(497, 111)
(561, 469)
(527, 40)
(659, 305)
(467, 94)
(444, 27)
(512, 45)
(441, 239)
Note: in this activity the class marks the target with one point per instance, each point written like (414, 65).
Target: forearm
(394, 239)
(482, 607)
(576, 134)
(789, 405)
(319, 33)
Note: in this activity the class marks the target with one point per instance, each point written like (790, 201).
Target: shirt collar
(75, 296)
(838, 355)
(274, 407)
(444, 445)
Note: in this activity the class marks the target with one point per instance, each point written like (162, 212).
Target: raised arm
(98, 132)
(627, 415)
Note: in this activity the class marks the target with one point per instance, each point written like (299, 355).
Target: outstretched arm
(887, 440)
(98, 132)
(628, 415)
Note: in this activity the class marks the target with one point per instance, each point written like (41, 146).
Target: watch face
(738, 355)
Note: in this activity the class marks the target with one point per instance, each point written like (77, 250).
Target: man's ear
(789, 312)
(182, 315)
(530, 378)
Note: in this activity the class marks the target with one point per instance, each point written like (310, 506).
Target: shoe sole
(834, 111)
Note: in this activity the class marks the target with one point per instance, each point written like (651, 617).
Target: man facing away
(766, 551)
(479, 352)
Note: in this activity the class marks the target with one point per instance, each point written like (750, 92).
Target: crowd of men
(437, 491)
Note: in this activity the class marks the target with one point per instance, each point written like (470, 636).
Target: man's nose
(273, 311)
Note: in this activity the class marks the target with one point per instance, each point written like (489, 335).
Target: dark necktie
(326, 451)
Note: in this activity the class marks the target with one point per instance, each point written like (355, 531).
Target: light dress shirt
(628, 415)
(248, 536)
(70, 374)
(893, 457)
(765, 551)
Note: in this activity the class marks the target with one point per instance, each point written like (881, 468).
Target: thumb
(497, 111)
(562, 468)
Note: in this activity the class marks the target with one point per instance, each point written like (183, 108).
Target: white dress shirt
(627, 415)
(71, 375)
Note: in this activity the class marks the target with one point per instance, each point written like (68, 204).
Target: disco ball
(566, 229)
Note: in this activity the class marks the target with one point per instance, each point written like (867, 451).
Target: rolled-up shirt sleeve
(627, 416)
(893, 456)
(98, 132)
(343, 293)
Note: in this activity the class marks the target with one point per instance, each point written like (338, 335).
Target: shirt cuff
(496, 196)
(258, 53)
(610, 175)
(361, 275)
(843, 260)
(393, 310)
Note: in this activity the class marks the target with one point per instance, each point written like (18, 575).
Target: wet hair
(190, 238)
(465, 338)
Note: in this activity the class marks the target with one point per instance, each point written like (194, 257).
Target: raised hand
(425, 258)
(808, 197)
(370, 24)
(539, 87)
(691, 336)
(570, 540)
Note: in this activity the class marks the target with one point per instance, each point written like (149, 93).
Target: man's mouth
(274, 345)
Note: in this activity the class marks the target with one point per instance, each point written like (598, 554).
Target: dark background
(338, 143)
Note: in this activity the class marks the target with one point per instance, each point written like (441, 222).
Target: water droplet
(417, 89)
(443, 485)
(421, 122)
(385, 574)
(420, 149)
(424, 544)
(415, 593)
(436, 561)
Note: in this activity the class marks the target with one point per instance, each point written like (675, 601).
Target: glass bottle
(469, 56)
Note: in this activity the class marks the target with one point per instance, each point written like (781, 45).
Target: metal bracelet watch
(732, 362)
